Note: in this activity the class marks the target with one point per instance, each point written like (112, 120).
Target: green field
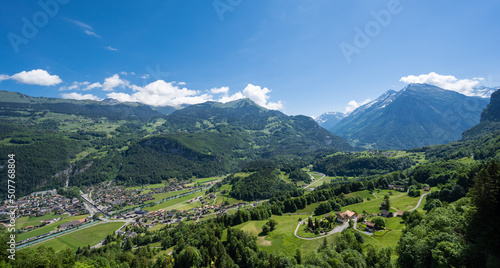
(283, 238)
(26, 221)
(162, 196)
(149, 186)
(175, 201)
(204, 180)
(48, 228)
(88, 236)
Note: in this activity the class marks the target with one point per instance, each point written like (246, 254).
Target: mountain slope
(14, 102)
(267, 126)
(416, 116)
(330, 119)
(490, 119)
(212, 139)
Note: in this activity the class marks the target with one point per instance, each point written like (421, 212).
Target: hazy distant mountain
(490, 119)
(14, 102)
(330, 119)
(418, 115)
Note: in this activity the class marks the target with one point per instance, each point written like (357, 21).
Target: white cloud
(79, 23)
(78, 96)
(92, 86)
(87, 29)
(146, 76)
(219, 90)
(450, 82)
(4, 77)
(255, 93)
(111, 48)
(89, 32)
(236, 96)
(75, 86)
(114, 81)
(161, 93)
(37, 77)
(182, 83)
(353, 105)
(260, 95)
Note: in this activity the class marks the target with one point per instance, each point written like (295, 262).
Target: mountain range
(418, 115)
(330, 119)
(82, 142)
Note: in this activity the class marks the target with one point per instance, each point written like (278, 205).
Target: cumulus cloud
(257, 94)
(37, 77)
(161, 93)
(92, 86)
(227, 98)
(219, 90)
(114, 81)
(353, 105)
(450, 82)
(78, 96)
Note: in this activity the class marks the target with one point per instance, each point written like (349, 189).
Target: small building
(400, 213)
(370, 226)
(426, 188)
(141, 212)
(386, 213)
(345, 217)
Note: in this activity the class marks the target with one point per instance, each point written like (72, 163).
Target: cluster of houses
(107, 198)
(343, 217)
(44, 202)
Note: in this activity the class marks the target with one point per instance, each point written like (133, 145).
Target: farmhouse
(386, 214)
(345, 217)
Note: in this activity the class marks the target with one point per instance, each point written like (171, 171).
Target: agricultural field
(26, 221)
(167, 204)
(48, 228)
(88, 236)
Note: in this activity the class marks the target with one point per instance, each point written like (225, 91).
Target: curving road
(419, 201)
(315, 181)
(336, 229)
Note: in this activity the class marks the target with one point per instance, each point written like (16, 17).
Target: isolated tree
(272, 224)
(387, 202)
(379, 222)
(265, 229)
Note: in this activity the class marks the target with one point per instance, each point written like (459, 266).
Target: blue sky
(302, 57)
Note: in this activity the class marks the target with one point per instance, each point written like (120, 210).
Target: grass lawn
(399, 201)
(162, 196)
(282, 238)
(150, 186)
(391, 238)
(175, 201)
(48, 228)
(364, 194)
(204, 180)
(26, 221)
(88, 236)
(157, 227)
